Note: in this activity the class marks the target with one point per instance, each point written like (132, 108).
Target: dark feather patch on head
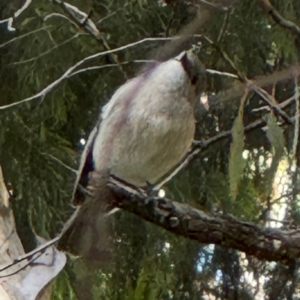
(88, 167)
(188, 67)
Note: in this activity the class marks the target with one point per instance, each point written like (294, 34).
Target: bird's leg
(149, 189)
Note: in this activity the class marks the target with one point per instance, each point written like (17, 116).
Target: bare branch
(226, 95)
(182, 219)
(112, 14)
(59, 16)
(272, 103)
(261, 81)
(51, 86)
(200, 145)
(110, 65)
(60, 162)
(232, 64)
(10, 20)
(226, 57)
(48, 51)
(282, 104)
(213, 6)
(24, 35)
(277, 17)
(84, 21)
(189, 157)
(223, 27)
(214, 72)
(80, 17)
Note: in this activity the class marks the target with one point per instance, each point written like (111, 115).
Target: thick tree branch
(264, 243)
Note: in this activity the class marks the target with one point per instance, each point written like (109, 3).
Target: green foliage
(218, 191)
(63, 289)
(39, 141)
(275, 136)
(236, 161)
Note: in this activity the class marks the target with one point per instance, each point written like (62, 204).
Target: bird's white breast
(148, 125)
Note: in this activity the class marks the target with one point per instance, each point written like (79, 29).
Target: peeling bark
(23, 279)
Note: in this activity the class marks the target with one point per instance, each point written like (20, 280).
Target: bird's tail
(90, 235)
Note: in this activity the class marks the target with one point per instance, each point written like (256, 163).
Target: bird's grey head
(194, 68)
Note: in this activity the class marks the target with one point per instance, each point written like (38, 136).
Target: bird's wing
(86, 165)
(86, 161)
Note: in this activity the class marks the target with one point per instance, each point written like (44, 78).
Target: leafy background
(40, 143)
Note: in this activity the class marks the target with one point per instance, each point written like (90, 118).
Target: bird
(143, 132)
(148, 125)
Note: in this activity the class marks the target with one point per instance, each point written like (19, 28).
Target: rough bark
(265, 243)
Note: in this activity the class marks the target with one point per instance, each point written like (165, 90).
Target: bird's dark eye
(194, 79)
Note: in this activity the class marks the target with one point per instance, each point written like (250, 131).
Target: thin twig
(223, 27)
(24, 35)
(282, 104)
(83, 20)
(52, 85)
(198, 146)
(59, 16)
(226, 57)
(232, 64)
(190, 156)
(271, 101)
(60, 162)
(15, 262)
(48, 51)
(214, 72)
(111, 14)
(110, 65)
(211, 5)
